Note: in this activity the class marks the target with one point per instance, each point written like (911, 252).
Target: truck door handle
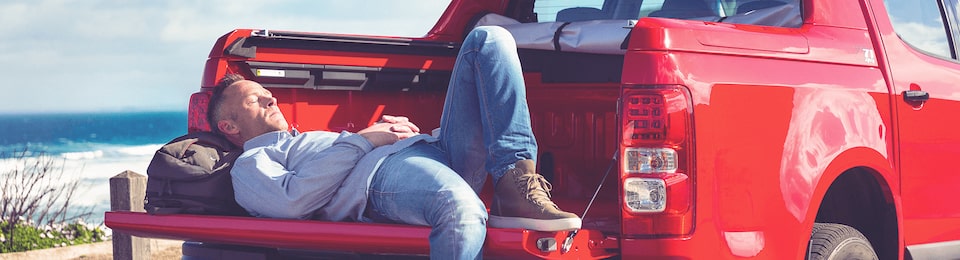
(915, 95)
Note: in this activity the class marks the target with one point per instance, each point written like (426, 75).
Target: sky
(111, 55)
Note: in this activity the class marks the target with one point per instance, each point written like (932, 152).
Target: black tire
(830, 241)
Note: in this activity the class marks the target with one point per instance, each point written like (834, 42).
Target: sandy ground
(162, 249)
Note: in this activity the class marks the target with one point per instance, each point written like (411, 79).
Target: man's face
(252, 111)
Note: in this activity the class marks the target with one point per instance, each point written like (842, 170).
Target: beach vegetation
(25, 237)
(36, 209)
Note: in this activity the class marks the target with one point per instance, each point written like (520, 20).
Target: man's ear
(230, 131)
(228, 127)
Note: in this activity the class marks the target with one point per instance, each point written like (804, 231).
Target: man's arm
(269, 182)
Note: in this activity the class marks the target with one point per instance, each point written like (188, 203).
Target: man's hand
(389, 130)
(403, 122)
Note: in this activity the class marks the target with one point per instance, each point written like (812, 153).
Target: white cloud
(925, 37)
(146, 55)
(12, 15)
(189, 20)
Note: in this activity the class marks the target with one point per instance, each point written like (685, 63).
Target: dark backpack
(191, 175)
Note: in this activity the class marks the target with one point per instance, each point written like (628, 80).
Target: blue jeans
(485, 128)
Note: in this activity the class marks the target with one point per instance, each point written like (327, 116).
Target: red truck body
(770, 129)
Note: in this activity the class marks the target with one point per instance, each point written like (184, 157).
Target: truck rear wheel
(830, 241)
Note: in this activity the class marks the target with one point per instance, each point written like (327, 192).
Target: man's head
(241, 109)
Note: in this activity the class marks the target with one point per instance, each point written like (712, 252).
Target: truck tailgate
(366, 238)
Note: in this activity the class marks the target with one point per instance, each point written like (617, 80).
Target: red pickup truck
(767, 129)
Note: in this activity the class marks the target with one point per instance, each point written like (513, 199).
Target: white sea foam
(139, 150)
(82, 155)
(113, 151)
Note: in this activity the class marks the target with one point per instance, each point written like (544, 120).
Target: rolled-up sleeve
(292, 181)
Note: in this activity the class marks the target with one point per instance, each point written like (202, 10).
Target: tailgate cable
(568, 242)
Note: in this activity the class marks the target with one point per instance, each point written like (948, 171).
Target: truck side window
(780, 13)
(919, 23)
(570, 10)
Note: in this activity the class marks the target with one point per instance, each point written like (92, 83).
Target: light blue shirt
(320, 175)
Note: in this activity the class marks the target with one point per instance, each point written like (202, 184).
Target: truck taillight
(656, 173)
(649, 160)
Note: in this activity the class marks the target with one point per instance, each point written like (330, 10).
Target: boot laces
(536, 188)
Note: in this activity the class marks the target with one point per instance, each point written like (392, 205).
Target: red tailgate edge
(369, 238)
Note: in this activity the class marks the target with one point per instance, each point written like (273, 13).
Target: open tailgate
(365, 238)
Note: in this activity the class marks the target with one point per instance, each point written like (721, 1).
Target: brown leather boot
(522, 200)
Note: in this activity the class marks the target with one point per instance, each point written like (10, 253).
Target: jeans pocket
(380, 207)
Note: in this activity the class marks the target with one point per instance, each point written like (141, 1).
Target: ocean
(90, 146)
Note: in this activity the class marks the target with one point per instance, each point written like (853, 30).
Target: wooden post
(127, 191)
